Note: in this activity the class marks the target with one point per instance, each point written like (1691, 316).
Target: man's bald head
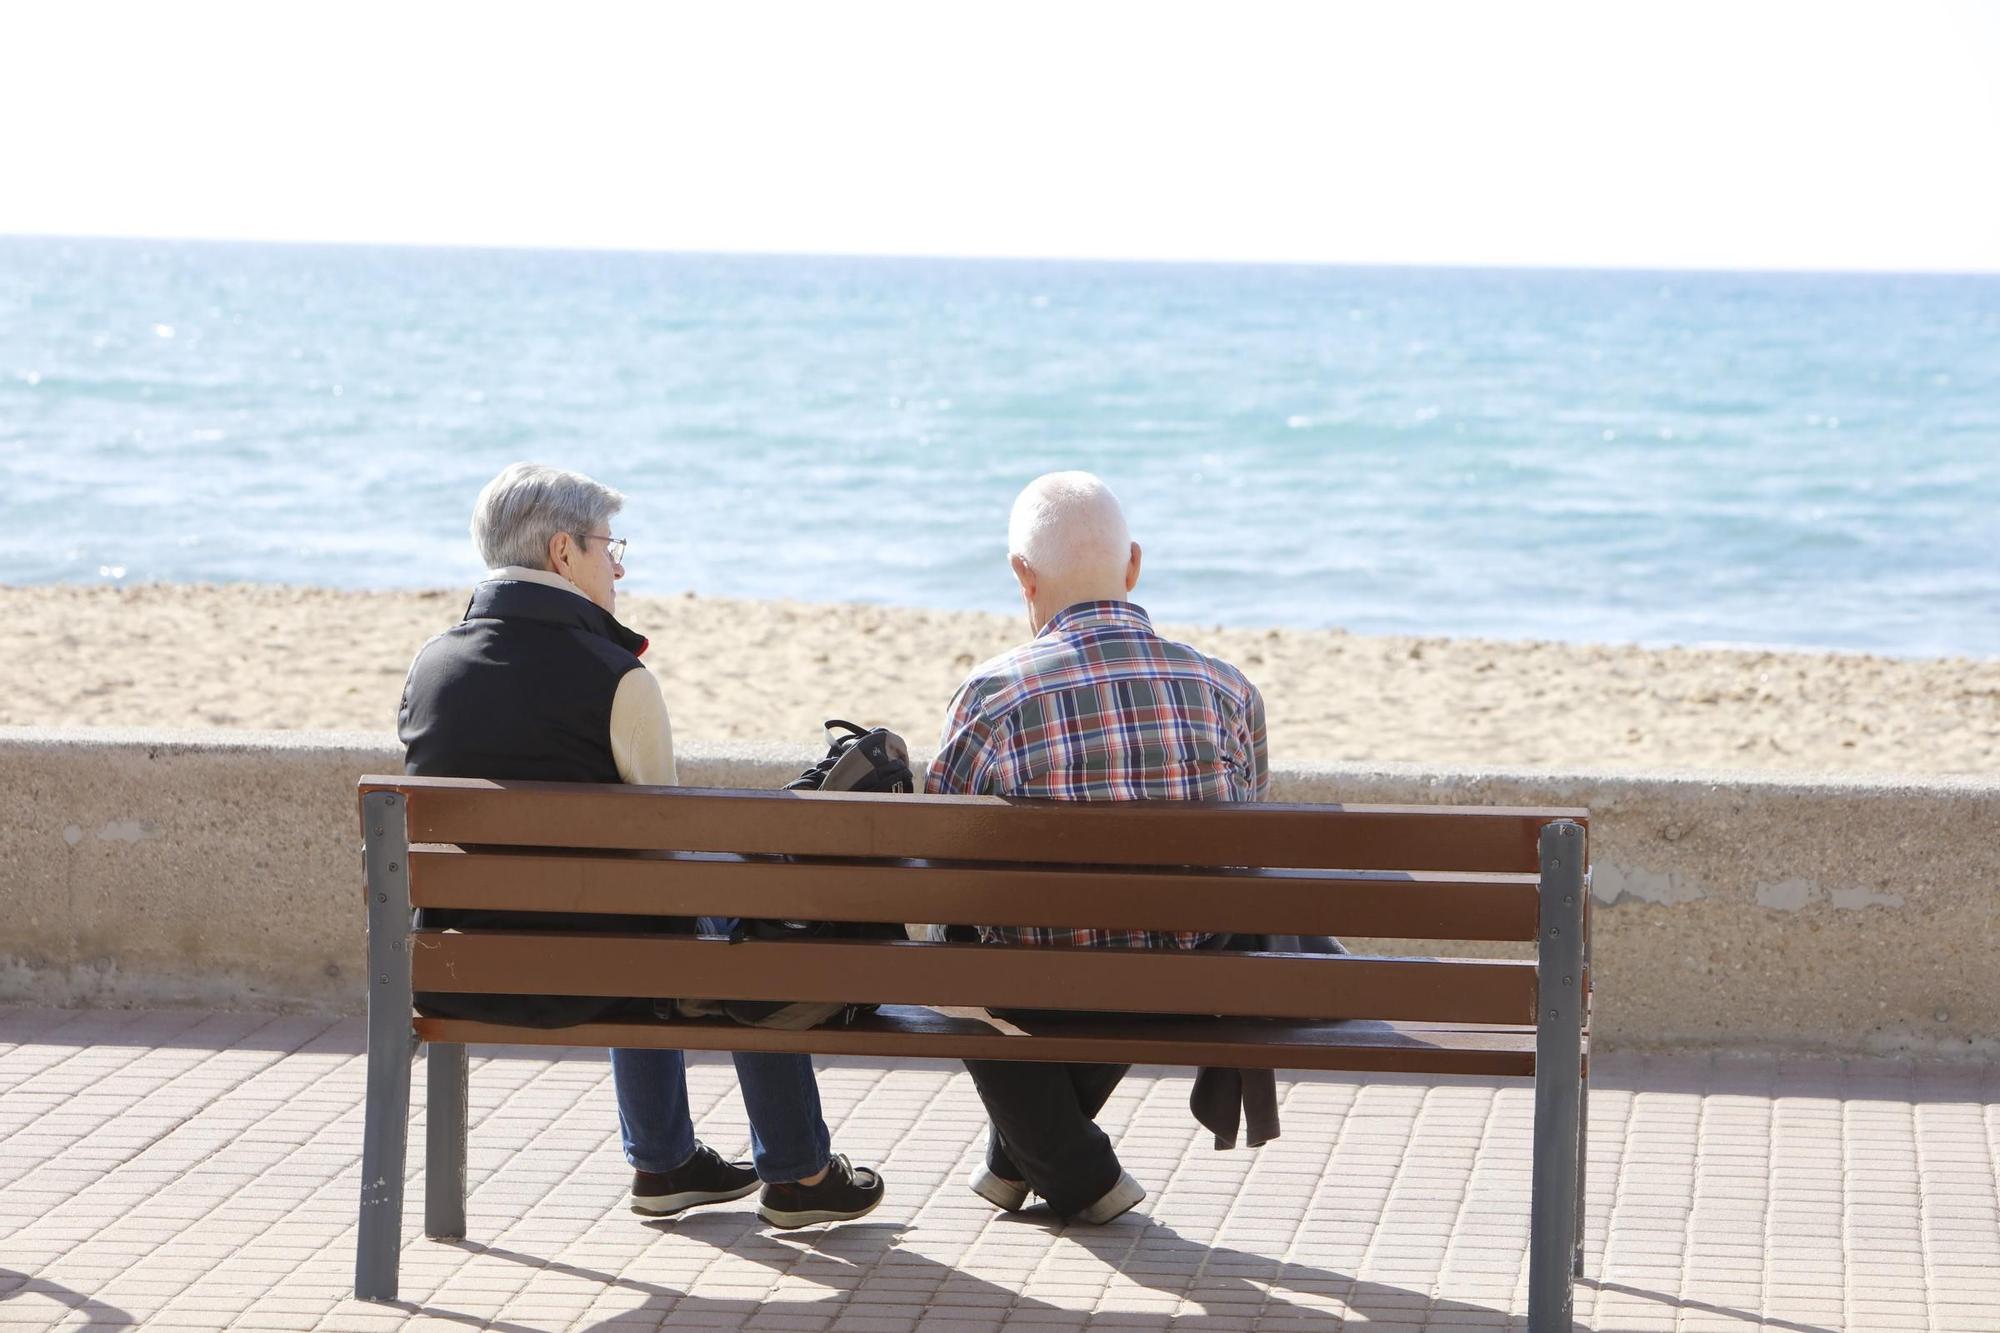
(1068, 525)
(1068, 543)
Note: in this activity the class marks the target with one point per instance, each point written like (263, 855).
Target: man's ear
(1024, 574)
(562, 550)
(1132, 569)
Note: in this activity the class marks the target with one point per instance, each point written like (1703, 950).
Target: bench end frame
(391, 1045)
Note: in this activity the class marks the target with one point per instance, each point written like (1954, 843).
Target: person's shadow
(96, 1314)
(1229, 1286)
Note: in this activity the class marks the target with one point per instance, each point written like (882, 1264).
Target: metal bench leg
(1582, 1163)
(1558, 1082)
(1583, 1091)
(444, 1142)
(378, 1245)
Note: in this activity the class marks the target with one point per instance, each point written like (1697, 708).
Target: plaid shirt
(1100, 708)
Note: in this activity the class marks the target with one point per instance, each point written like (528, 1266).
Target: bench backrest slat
(1248, 1043)
(1386, 872)
(974, 828)
(1105, 980)
(1401, 904)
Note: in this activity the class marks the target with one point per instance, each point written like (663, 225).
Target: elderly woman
(540, 681)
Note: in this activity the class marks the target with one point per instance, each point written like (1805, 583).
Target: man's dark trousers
(1045, 1117)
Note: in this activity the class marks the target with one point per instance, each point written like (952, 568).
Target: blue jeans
(788, 1138)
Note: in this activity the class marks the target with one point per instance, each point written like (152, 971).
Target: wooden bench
(1401, 872)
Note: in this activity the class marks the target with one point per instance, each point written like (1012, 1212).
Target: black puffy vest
(521, 688)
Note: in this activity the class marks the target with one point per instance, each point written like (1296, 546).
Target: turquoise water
(1691, 458)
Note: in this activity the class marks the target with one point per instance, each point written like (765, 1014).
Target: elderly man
(1097, 707)
(540, 681)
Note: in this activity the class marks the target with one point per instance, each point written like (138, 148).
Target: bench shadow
(1684, 1304)
(95, 1312)
(1230, 1286)
(168, 1029)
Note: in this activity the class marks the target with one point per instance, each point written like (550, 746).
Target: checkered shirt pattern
(1100, 708)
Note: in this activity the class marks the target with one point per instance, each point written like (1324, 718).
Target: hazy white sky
(1740, 134)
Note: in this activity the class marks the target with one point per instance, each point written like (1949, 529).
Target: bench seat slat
(912, 1031)
(892, 972)
(1481, 839)
(1395, 905)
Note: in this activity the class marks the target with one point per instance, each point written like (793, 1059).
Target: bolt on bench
(1401, 872)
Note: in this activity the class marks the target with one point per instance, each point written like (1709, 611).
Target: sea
(1758, 459)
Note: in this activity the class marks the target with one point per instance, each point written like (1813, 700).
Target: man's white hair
(528, 504)
(1069, 527)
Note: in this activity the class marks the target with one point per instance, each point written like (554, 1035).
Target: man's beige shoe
(1117, 1201)
(1009, 1196)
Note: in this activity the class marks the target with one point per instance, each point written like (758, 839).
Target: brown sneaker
(844, 1193)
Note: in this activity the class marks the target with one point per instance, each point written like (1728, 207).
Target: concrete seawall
(1732, 910)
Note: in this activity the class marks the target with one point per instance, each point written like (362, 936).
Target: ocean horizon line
(1633, 269)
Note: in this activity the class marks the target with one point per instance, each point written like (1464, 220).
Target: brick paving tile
(188, 1170)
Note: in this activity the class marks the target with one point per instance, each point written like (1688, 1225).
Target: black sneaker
(702, 1178)
(844, 1193)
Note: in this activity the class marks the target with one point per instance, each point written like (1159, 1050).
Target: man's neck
(1058, 607)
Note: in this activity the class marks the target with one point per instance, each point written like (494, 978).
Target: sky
(1641, 134)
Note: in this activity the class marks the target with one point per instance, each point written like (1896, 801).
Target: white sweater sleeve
(642, 739)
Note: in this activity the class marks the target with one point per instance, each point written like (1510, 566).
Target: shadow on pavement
(96, 1314)
(1681, 1304)
(1230, 1286)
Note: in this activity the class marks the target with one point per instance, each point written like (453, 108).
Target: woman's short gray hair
(527, 504)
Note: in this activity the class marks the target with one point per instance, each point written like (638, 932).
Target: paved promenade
(197, 1170)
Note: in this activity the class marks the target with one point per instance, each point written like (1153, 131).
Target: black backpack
(857, 759)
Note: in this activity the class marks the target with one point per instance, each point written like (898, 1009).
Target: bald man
(1096, 707)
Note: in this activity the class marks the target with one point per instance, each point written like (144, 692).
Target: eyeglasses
(615, 545)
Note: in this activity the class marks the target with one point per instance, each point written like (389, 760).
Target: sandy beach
(284, 657)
